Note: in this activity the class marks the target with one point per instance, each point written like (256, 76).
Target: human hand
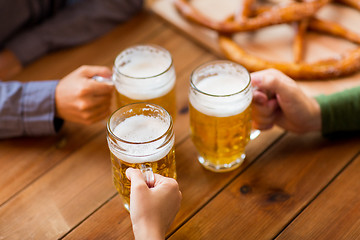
(78, 98)
(9, 65)
(152, 210)
(279, 100)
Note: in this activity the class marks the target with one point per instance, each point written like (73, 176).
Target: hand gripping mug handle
(148, 175)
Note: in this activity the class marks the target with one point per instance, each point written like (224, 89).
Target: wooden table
(289, 187)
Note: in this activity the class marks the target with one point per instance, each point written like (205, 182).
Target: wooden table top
(289, 187)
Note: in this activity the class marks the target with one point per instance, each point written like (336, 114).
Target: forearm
(340, 112)
(27, 109)
(74, 25)
(146, 231)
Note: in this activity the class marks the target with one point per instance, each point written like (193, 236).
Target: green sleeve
(340, 112)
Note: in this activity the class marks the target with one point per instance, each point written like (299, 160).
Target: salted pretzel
(301, 14)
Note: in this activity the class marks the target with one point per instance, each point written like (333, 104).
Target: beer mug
(140, 135)
(145, 73)
(220, 114)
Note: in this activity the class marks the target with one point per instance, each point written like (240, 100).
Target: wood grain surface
(289, 187)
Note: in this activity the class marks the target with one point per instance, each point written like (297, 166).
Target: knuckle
(138, 187)
(82, 91)
(274, 71)
(84, 67)
(88, 117)
(83, 106)
(173, 184)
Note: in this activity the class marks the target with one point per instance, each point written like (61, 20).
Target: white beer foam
(139, 129)
(220, 85)
(141, 73)
(145, 64)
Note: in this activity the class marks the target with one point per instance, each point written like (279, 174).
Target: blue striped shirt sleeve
(27, 109)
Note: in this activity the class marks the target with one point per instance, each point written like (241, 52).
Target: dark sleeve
(340, 112)
(74, 25)
(28, 109)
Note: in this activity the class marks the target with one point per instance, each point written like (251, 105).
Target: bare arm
(152, 210)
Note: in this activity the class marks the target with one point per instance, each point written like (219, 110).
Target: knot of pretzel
(251, 16)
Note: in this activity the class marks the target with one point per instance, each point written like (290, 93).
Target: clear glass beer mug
(220, 114)
(145, 73)
(140, 135)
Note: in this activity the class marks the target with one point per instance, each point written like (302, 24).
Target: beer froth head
(144, 72)
(220, 89)
(138, 135)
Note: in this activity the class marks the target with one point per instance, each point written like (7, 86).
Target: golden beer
(220, 114)
(165, 167)
(140, 136)
(145, 73)
(167, 101)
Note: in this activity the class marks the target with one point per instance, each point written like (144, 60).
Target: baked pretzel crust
(345, 64)
(275, 15)
(302, 14)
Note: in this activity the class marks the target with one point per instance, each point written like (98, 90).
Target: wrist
(315, 123)
(147, 231)
(57, 100)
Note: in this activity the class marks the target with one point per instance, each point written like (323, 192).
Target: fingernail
(127, 172)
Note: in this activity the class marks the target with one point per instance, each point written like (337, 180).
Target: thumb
(100, 88)
(90, 71)
(265, 80)
(135, 177)
(272, 82)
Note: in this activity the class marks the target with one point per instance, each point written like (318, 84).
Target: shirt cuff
(38, 108)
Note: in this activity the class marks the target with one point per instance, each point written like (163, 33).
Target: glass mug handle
(148, 175)
(254, 132)
(103, 79)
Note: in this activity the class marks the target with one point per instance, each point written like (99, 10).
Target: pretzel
(300, 28)
(301, 14)
(244, 11)
(334, 29)
(342, 65)
(353, 3)
(275, 15)
(330, 68)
